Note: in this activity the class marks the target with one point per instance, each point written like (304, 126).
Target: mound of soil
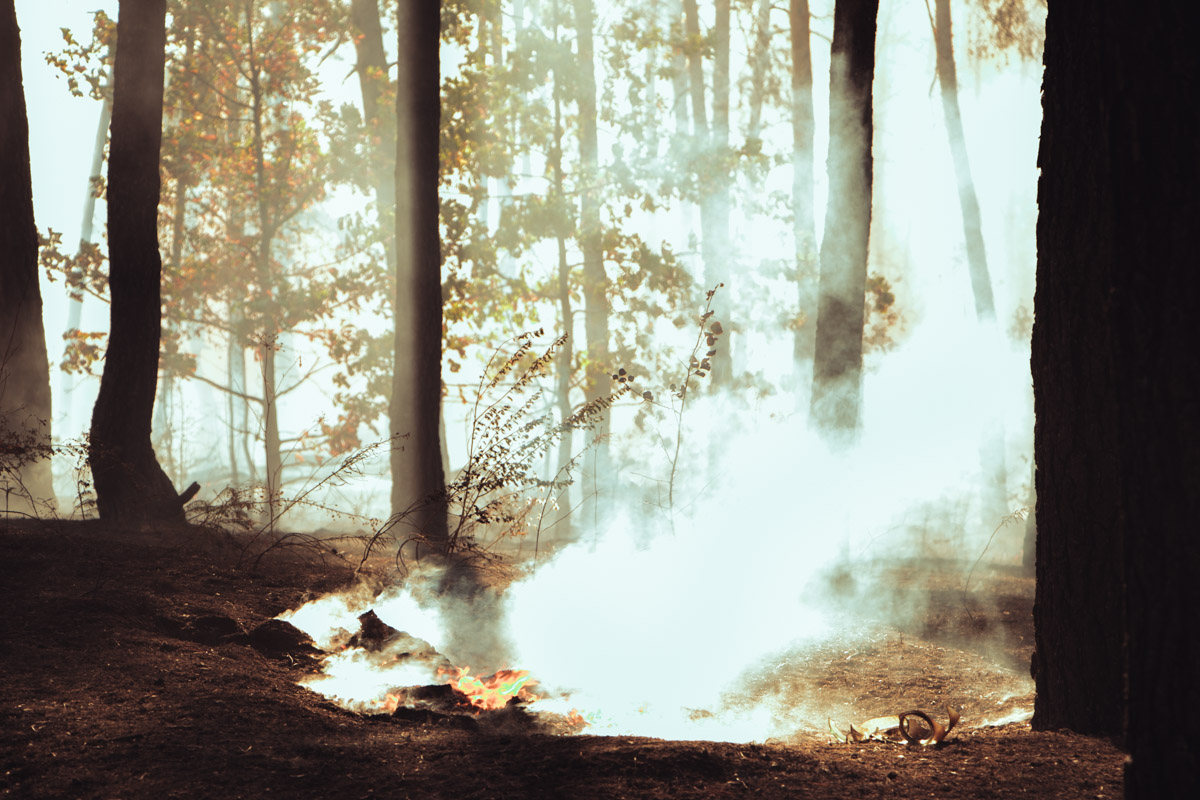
(146, 665)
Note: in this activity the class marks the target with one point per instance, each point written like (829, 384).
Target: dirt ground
(125, 673)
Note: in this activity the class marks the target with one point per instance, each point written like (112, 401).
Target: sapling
(708, 335)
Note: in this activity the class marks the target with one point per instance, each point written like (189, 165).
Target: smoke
(651, 623)
(661, 621)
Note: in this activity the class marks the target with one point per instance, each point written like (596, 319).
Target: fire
(492, 692)
(393, 701)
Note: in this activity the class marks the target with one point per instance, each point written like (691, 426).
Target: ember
(493, 692)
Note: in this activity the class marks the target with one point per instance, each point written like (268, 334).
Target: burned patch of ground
(129, 671)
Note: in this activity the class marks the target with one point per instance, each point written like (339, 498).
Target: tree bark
(25, 412)
(804, 226)
(837, 365)
(418, 481)
(1114, 365)
(1155, 172)
(130, 485)
(1078, 657)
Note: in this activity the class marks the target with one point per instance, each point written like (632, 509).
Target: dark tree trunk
(1155, 175)
(804, 226)
(837, 365)
(1078, 658)
(130, 484)
(1116, 399)
(24, 368)
(418, 480)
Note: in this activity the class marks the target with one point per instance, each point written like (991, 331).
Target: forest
(660, 380)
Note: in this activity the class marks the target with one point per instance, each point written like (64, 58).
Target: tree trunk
(164, 413)
(1154, 173)
(75, 303)
(372, 68)
(700, 144)
(837, 365)
(232, 402)
(595, 281)
(759, 58)
(566, 357)
(1078, 654)
(418, 481)
(992, 459)
(695, 68)
(272, 445)
(981, 284)
(75, 309)
(562, 530)
(130, 485)
(679, 75)
(1114, 365)
(24, 367)
(804, 226)
(268, 342)
(718, 262)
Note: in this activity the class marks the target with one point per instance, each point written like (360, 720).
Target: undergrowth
(498, 493)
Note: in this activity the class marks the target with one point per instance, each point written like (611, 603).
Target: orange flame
(392, 702)
(492, 692)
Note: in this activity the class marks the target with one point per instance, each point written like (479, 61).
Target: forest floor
(124, 674)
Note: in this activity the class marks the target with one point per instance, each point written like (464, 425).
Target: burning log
(506, 687)
(443, 704)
